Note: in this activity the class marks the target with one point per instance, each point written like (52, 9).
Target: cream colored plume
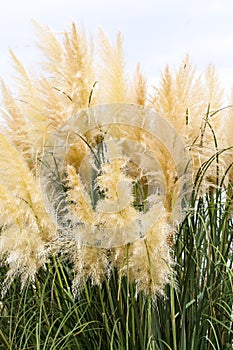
(26, 228)
(193, 105)
(112, 79)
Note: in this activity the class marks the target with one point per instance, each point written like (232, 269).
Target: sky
(155, 32)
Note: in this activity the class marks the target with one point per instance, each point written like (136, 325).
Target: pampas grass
(171, 289)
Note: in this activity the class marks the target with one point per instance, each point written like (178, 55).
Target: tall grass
(195, 312)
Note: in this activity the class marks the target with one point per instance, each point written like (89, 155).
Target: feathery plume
(11, 112)
(69, 65)
(180, 99)
(139, 88)
(26, 227)
(148, 262)
(112, 80)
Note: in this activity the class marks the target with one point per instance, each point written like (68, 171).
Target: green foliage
(198, 314)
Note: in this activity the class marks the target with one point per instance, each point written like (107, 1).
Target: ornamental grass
(116, 203)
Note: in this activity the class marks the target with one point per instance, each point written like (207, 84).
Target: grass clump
(170, 289)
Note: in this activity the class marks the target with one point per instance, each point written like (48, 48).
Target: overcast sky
(155, 33)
